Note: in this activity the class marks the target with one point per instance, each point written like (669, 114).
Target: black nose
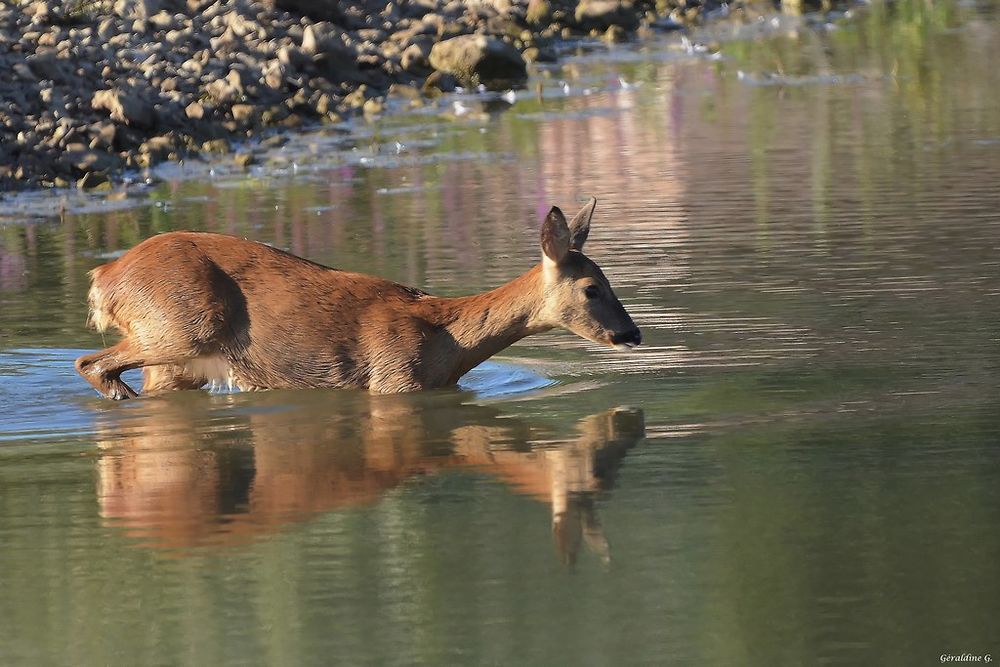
(633, 337)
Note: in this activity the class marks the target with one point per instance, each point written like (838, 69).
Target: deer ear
(579, 226)
(555, 236)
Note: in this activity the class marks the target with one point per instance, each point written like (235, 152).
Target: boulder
(479, 60)
(602, 14)
(125, 107)
(414, 59)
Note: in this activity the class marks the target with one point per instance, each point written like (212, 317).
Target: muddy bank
(92, 88)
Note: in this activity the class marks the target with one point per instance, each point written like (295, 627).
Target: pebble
(155, 79)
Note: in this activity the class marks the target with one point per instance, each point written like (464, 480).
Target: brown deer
(197, 307)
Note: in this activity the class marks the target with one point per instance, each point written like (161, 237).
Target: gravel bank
(91, 88)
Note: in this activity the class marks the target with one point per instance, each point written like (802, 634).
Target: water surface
(800, 465)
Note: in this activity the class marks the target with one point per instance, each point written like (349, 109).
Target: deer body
(198, 307)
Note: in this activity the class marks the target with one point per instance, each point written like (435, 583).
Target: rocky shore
(91, 88)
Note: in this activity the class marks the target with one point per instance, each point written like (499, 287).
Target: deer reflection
(187, 471)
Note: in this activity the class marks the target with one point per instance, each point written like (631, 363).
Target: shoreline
(96, 89)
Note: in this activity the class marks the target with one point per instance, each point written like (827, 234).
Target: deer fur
(197, 308)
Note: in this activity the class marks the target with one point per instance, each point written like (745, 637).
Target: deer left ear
(555, 236)
(579, 226)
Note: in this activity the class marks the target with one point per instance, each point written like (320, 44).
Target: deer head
(576, 294)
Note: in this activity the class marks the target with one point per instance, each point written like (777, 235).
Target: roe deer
(196, 307)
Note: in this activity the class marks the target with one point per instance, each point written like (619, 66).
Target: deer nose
(633, 337)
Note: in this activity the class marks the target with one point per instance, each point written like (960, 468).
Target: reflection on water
(805, 228)
(180, 474)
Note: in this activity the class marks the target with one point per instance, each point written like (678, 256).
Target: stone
(124, 107)
(24, 72)
(535, 54)
(104, 135)
(215, 146)
(437, 83)
(479, 60)
(106, 28)
(194, 111)
(136, 9)
(162, 20)
(373, 107)
(274, 75)
(222, 91)
(615, 35)
(91, 160)
(310, 45)
(244, 159)
(415, 60)
(49, 66)
(91, 180)
(602, 14)
(243, 112)
(539, 12)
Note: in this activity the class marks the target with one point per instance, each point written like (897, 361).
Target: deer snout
(628, 339)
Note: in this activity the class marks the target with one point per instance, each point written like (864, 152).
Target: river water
(801, 465)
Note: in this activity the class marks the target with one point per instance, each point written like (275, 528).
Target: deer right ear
(555, 236)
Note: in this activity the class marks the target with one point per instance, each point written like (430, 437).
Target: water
(800, 465)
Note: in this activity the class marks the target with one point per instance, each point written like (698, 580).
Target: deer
(196, 308)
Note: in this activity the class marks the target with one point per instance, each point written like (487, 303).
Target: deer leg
(103, 369)
(169, 377)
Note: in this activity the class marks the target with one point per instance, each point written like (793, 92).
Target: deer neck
(483, 324)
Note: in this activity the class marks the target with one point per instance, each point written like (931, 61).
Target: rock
(437, 83)
(104, 135)
(539, 12)
(292, 57)
(324, 104)
(158, 148)
(215, 146)
(136, 9)
(415, 59)
(310, 45)
(602, 14)
(24, 72)
(274, 75)
(194, 111)
(373, 107)
(403, 91)
(479, 60)
(48, 66)
(162, 20)
(124, 107)
(244, 159)
(274, 141)
(91, 180)
(615, 35)
(91, 160)
(106, 28)
(357, 98)
(222, 91)
(243, 113)
(535, 54)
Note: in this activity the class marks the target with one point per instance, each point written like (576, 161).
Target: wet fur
(196, 308)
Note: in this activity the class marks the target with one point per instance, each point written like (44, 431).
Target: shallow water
(800, 465)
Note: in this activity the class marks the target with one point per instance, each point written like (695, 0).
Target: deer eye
(591, 291)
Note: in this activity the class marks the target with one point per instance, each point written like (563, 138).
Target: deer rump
(201, 308)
